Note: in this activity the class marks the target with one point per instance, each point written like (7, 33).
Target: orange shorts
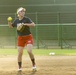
(24, 40)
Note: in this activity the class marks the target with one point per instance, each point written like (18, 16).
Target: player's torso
(26, 30)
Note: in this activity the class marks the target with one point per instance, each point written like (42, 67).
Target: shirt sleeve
(29, 20)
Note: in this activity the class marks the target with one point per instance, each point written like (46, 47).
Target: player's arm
(30, 24)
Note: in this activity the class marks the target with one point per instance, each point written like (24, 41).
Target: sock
(20, 64)
(33, 62)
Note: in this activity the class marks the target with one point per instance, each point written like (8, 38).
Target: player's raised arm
(10, 22)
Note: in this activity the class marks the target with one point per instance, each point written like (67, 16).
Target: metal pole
(59, 31)
(58, 21)
(61, 43)
(37, 39)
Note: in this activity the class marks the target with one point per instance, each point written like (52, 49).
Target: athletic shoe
(20, 69)
(34, 68)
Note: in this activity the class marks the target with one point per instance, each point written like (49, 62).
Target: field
(62, 63)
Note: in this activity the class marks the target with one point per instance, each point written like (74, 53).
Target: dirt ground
(46, 65)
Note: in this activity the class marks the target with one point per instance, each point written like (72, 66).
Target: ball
(9, 18)
(52, 53)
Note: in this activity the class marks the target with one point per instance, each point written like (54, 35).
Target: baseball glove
(20, 27)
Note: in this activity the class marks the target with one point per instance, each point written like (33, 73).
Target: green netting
(7, 37)
(45, 36)
(44, 17)
(56, 35)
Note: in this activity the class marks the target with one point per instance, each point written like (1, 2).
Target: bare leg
(29, 50)
(20, 53)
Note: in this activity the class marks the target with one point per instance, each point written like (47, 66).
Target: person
(25, 37)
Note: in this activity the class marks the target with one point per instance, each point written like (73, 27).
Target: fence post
(61, 43)
(37, 37)
(59, 31)
(58, 22)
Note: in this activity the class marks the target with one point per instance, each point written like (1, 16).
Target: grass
(40, 52)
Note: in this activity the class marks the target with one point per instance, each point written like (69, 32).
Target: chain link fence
(53, 30)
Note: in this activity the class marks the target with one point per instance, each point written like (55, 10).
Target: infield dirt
(46, 65)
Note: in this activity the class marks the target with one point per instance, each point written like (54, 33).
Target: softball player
(24, 36)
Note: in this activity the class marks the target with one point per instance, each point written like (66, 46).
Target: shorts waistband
(25, 35)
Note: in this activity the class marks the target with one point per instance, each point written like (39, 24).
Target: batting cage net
(52, 30)
(56, 35)
(45, 36)
(7, 37)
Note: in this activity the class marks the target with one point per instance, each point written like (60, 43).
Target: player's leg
(29, 50)
(20, 53)
(21, 45)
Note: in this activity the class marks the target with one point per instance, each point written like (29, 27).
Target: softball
(9, 18)
(52, 53)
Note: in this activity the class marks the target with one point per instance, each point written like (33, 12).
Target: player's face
(22, 13)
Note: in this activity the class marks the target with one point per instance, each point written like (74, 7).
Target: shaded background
(62, 11)
(10, 6)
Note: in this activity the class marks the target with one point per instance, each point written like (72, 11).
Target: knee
(20, 53)
(29, 52)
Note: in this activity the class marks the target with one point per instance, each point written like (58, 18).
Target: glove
(20, 27)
